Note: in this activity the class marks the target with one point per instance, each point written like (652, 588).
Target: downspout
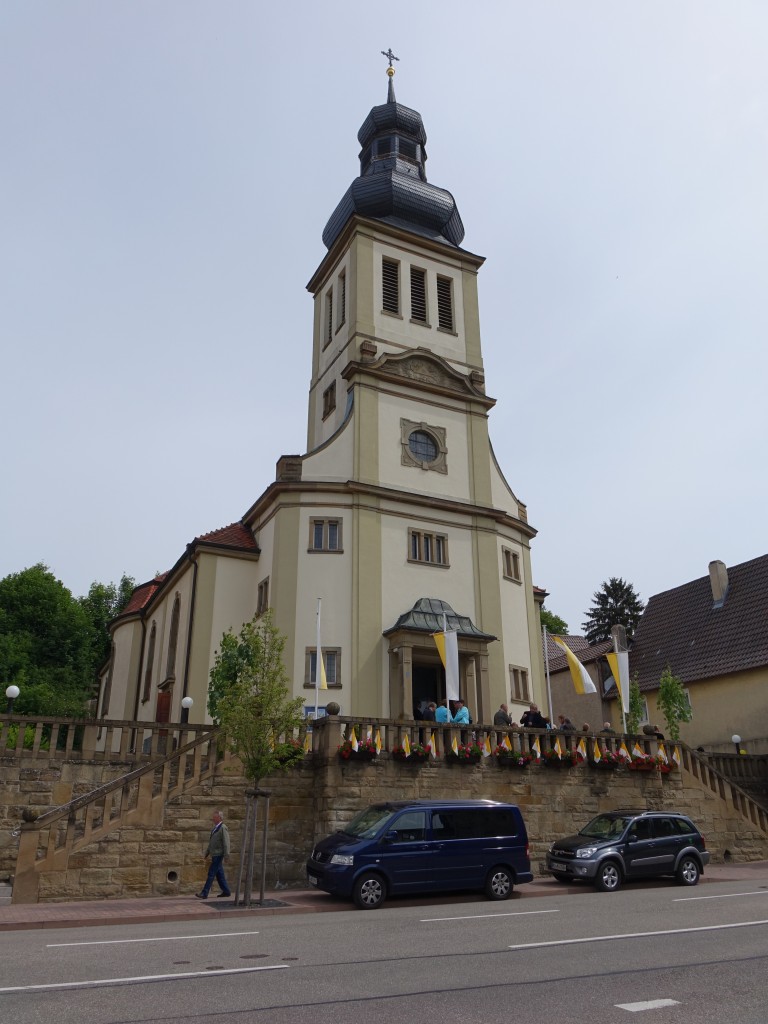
(190, 624)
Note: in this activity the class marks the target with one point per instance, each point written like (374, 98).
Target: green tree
(554, 624)
(636, 707)
(45, 644)
(101, 604)
(672, 701)
(615, 604)
(249, 697)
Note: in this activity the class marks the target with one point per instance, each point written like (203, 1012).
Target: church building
(397, 515)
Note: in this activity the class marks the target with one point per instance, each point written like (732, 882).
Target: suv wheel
(608, 878)
(370, 892)
(499, 884)
(688, 871)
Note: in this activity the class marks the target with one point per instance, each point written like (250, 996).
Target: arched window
(150, 660)
(173, 639)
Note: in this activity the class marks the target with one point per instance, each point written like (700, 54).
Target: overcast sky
(168, 168)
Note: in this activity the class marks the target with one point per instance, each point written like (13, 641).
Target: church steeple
(393, 185)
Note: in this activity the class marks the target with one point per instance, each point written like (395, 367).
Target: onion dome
(393, 184)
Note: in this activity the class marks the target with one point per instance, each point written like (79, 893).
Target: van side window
(411, 827)
(473, 823)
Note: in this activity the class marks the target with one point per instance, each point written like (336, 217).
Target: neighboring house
(713, 634)
(398, 513)
(590, 708)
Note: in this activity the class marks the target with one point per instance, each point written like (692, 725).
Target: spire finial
(391, 73)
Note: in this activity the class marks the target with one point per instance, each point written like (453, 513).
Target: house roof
(233, 536)
(682, 628)
(142, 595)
(581, 647)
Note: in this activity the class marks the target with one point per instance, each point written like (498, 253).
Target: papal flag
(619, 663)
(369, 733)
(455, 746)
(487, 746)
(676, 755)
(353, 739)
(432, 746)
(663, 753)
(579, 674)
(623, 752)
(637, 750)
(536, 749)
(320, 681)
(505, 742)
(581, 748)
(447, 644)
(597, 754)
(557, 748)
(308, 743)
(377, 741)
(406, 746)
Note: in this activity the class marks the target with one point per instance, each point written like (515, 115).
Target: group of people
(458, 713)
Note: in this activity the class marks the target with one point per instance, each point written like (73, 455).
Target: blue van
(424, 846)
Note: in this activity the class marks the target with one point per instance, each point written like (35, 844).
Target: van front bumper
(335, 879)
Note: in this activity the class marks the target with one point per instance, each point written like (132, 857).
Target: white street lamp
(736, 740)
(186, 704)
(11, 693)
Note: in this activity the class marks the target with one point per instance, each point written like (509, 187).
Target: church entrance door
(428, 685)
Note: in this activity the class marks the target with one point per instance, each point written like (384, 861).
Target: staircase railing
(701, 769)
(137, 798)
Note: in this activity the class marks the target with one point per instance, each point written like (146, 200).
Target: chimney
(718, 577)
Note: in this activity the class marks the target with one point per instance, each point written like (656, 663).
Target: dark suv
(630, 844)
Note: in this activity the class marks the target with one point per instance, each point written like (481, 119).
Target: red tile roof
(142, 595)
(682, 629)
(233, 536)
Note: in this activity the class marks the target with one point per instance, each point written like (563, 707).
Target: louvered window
(390, 279)
(444, 304)
(342, 294)
(328, 318)
(418, 295)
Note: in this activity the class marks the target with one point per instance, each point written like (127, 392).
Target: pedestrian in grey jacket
(218, 851)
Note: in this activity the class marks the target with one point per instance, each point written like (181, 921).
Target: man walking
(218, 851)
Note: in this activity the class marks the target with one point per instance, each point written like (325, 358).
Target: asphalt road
(695, 955)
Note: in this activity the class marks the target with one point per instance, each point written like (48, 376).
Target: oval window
(423, 446)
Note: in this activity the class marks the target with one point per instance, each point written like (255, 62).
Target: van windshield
(369, 822)
(605, 827)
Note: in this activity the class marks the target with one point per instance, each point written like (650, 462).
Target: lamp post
(736, 740)
(186, 704)
(11, 693)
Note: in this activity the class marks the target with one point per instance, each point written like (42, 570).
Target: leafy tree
(615, 604)
(554, 624)
(636, 707)
(673, 703)
(45, 644)
(249, 697)
(101, 604)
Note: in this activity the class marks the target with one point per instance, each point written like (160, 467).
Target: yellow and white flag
(637, 750)
(447, 644)
(505, 742)
(623, 752)
(353, 739)
(320, 681)
(406, 746)
(597, 754)
(369, 733)
(676, 755)
(579, 675)
(308, 743)
(487, 746)
(455, 746)
(536, 749)
(377, 741)
(619, 663)
(663, 753)
(432, 746)
(557, 748)
(581, 748)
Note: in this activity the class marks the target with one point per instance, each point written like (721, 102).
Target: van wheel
(499, 884)
(369, 892)
(687, 871)
(608, 877)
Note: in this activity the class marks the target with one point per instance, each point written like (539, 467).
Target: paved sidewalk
(89, 913)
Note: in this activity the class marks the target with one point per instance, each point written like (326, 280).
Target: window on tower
(390, 280)
(325, 535)
(328, 318)
(418, 295)
(445, 304)
(427, 547)
(329, 400)
(342, 299)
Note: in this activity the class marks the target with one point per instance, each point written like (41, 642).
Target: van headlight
(587, 851)
(343, 858)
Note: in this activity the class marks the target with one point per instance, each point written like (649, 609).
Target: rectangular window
(511, 565)
(328, 318)
(329, 400)
(418, 295)
(390, 280)
(262, 599)
(518, 684)
(427, 547)
(331, 663)
(325, 535)
(445, 304)
(342, 297)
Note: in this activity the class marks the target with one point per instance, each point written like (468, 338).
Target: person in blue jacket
(461, 715)
(442, 714)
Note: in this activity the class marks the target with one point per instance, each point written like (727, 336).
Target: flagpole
(318, 656)
(618, 685)
(546, 665)
(445, 669)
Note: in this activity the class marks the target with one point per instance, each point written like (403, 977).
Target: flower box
(506, 758)
(366, 750)
(468, 753)
(569, 759)
(419, 754)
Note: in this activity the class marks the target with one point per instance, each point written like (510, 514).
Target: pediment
(422, 367)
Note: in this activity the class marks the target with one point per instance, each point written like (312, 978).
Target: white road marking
(726, 896)
(483, 917)
(649, 1004)
(141, 978)
(639, 935)
(162, 938)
